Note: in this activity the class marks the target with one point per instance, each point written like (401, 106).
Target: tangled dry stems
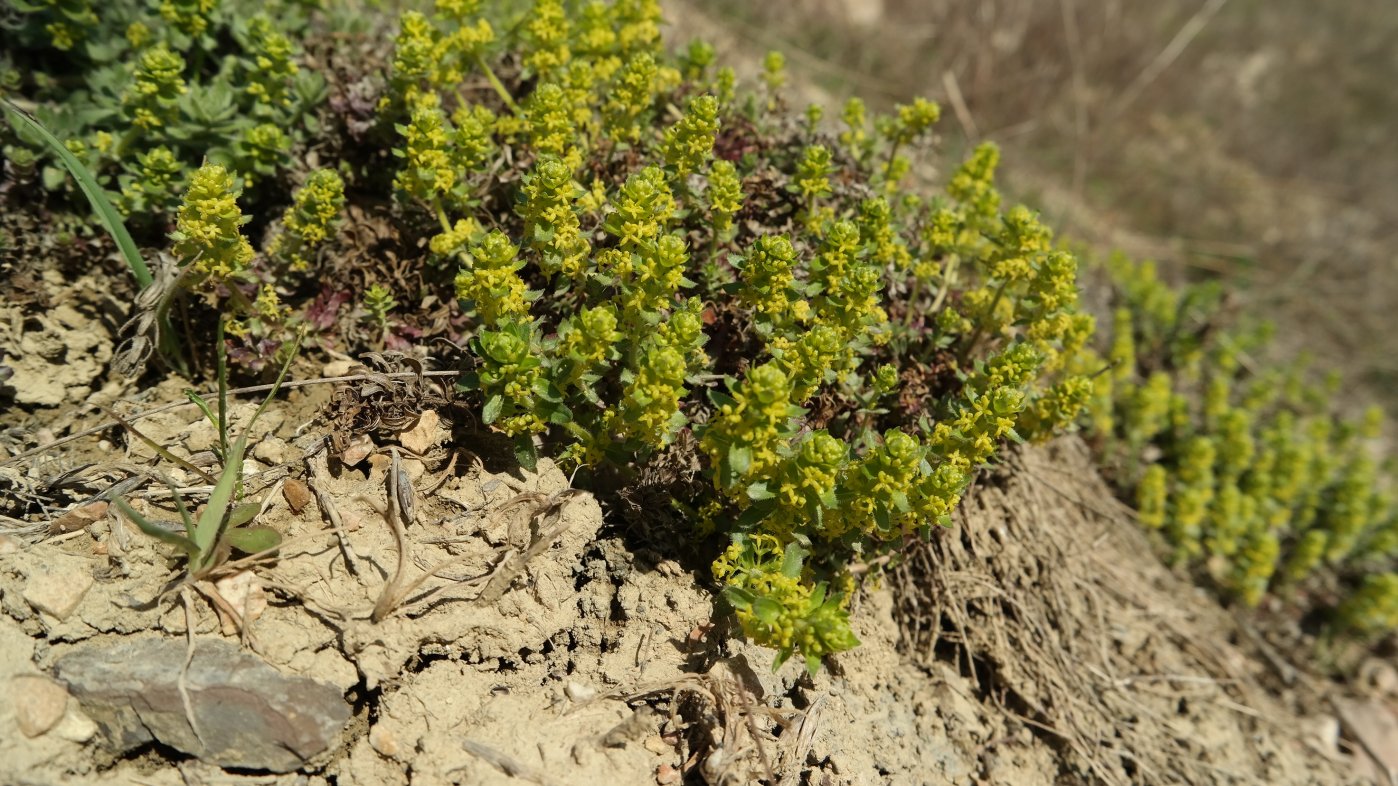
(1039, 612)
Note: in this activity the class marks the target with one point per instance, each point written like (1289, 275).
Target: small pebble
(667, 775)
(576, 691)
(1379, 677)
(298, 494)
(383, 741)
(75, 727)
(39, 703)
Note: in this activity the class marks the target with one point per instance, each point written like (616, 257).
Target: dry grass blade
(548, 525)
(508, 765)
(159, 449)
(733, 735)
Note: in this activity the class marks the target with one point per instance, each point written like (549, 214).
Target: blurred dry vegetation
(1252, 140)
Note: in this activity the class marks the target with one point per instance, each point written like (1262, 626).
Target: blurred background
(1253, 141)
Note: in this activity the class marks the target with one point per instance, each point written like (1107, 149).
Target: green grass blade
(210, 523)
(108, 214)
(156, 531)
(221, 355)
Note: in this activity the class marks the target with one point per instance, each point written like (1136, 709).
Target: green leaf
(206, 529)
(900, 501)
(793, 558)
(493, 405)
(156, 531)
(106, 213)
(739, 459)
(253, 540)
(754, 515)
(758, 491)
(545, 390)
(203, 405)
(767, 611)
(557, 414)
(53, 178)
(242, 514)
(103, 51)
(526, 454)
(738, 597)
(812, 663)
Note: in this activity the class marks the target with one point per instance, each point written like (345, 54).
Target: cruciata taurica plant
(636, 235)
(149, 91)
(1260, 482)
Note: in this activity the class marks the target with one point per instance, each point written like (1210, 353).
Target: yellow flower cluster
(812, 178)
(612, 219)
(586, 341)
(547, 31)
(510, 378)
(745, 436)
(73, 18)
(1373, 607)
(725, 193)
(269, 81)
(190, 17)
(157, 185)
(428, 171)
(551, 220)
(310, 220)
(776, 607)
(490, 282)
(208, 234)
(630, 97)
(1254, 472)
(149, 102)
(768, 273)
(650, 403)
(690, 141)
(549, 116)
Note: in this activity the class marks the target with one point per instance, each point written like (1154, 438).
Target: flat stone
(427, 434)
(57, 585)
(39, 703)
(249, 715)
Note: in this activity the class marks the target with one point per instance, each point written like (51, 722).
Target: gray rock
(248, 714)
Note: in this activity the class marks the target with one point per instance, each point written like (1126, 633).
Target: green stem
(497, 84)
(913, 295)
(126, 139)
(980, 323)
(888, 165)
(441, 214)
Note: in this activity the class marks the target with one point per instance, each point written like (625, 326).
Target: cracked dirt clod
(57, 585)
(249, 715)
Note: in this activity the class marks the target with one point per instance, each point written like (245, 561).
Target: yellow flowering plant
(646, 265)
(1256, 481)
